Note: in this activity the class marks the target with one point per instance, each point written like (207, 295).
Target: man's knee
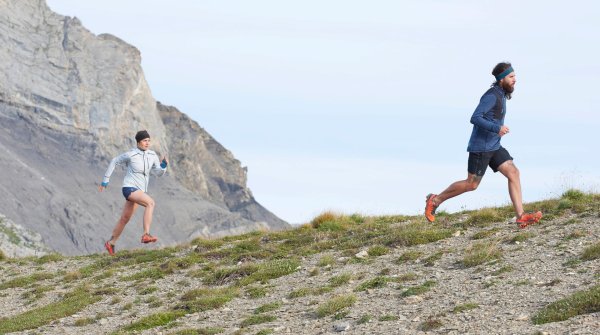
(472, 186)
(473, 182)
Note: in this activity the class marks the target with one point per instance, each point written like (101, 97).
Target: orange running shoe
(430, 207)
(147, 238)
(110, 248)
(527, 219)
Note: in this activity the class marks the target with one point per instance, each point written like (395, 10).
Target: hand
(101, 188)
(164, 158)
(503, 131)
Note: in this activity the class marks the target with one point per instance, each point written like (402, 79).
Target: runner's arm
(485, 105)
(111, 167)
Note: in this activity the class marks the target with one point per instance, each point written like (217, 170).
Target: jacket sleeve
(157, 169)
(119, 160)
(486, 104)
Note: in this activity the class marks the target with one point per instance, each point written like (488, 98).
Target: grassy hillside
(469, 272)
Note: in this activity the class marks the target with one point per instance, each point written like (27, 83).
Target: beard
(507, 88)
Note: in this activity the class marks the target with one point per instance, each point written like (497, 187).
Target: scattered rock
(341, 327)
(362, 254)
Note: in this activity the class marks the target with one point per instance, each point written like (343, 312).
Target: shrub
(335, 305)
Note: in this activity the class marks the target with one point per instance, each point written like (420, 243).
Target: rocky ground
(420, 288)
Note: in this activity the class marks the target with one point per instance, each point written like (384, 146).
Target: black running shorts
(479, 161)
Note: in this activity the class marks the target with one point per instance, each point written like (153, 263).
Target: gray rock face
(17, 241)
(69, 102)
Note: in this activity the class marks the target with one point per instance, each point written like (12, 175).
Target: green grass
(26, 280)
(430, 261)
(151, 273)
(223, 276)
(377, 282)
(72, 303)
(153, 321)
(257, 319)
(306, 291)
(579, 303)
(481, 253)
(2, 256)
(326, 260)
(364, 319)
(483, 217)
(465, 307)
(485, 234)
(385, 318)
(378, 250)
(340, 280)
(521, 237)
(409, 256)
(592, 252)
(256, 292)
(201, 331)
(335, 304)
(267, 307)
(415, 234)
(271, 270)
(204, 299)
(420, 289)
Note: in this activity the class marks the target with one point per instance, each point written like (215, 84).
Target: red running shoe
(430, 207)
(147, 238)
(110, 248)
(527, 219)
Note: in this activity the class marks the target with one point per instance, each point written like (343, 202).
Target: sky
(364, 107)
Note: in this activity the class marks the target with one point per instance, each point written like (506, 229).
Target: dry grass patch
(592, 252)
(481, 253)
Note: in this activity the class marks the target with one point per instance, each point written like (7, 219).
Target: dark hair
(499, 68)
(141, 135)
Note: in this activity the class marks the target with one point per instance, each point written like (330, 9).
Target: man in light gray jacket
(140, 162)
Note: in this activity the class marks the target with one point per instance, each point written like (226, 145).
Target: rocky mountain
(69, 102)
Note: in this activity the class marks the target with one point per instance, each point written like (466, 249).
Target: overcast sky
(364, 107)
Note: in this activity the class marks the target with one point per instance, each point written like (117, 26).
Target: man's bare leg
(510, 171)
(458, 188)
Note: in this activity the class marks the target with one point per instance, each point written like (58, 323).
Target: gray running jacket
(139, 166)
